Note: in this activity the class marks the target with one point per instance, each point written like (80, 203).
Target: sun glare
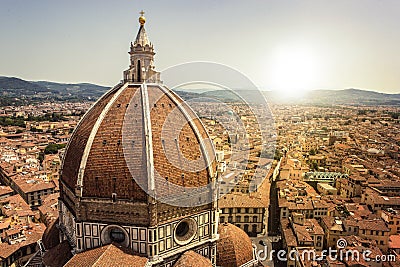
(293, 71)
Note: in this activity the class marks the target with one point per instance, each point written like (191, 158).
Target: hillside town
(334, 175)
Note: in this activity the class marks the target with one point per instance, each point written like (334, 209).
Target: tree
(314, 166)
(53, 148)
(41, 157)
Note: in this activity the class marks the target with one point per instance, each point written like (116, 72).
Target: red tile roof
(234, 247)
(58, 255)
(394, 242)
(239, 200)
(192, 259)
(106, 256)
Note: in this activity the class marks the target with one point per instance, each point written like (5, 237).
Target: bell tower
(142, 53)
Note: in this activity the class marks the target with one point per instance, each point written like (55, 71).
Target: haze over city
(280, 45)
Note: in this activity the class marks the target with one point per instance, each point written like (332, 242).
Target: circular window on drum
(117, 235)
(185, 231)
(114, 234)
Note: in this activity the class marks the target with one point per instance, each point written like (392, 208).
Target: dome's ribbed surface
(234, 247)
(132, 135)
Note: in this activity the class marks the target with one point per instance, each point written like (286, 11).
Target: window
(222, 219)
(116, 235)
(182, 229)
(254, 218)
(246, 218)
(230, 219)
(238, 218)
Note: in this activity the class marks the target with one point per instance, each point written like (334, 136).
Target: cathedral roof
(109, 255)
(234, 247)
(135, 139)
(141, 37)
(57, 256)
(51, 236)
(192, 259)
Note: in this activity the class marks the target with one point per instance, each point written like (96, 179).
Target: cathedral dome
(192, 259)
(137, 139)
(234, 247)
(139, 171)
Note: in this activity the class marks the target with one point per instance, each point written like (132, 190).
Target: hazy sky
(311, 44)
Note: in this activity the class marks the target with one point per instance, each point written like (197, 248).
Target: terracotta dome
(234, 247)
(137, 139)
(139, 171)
(51, 236)
(192, 259)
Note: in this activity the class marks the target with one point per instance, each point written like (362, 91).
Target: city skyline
(150, 175)
(302, 45)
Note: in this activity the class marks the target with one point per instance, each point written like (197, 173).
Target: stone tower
(142, 58)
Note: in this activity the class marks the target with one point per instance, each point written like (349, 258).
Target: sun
(294, 70)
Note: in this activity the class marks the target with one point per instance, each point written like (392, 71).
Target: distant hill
(13, 84)
(351, 97)
(315, 97)
(16, 91)
(252, 96)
